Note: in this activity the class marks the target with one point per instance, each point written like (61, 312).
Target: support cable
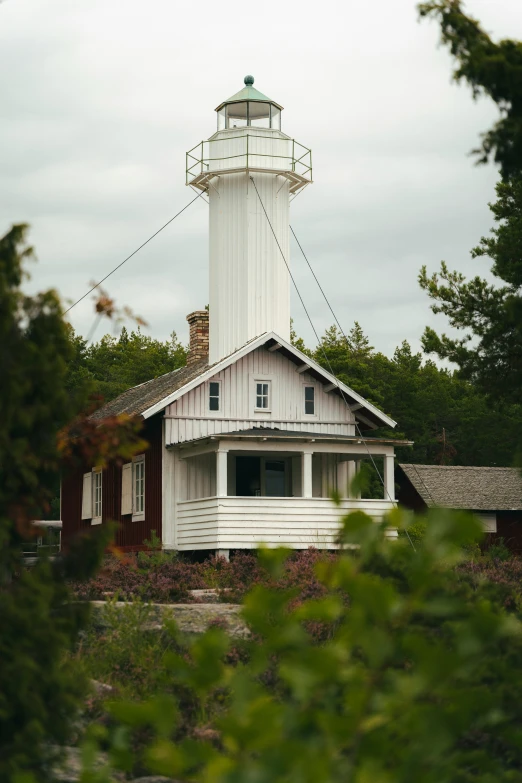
(322, 346)
(346, 339)
(133, 253)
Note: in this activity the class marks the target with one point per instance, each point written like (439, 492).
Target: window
(258, 114)
(254, 114)
(263, 395)
(237, 115)
(214, 392)
(309, 392)
(138, 485)
(275, 117)
(97, 493)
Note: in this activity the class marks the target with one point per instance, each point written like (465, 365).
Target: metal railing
(246, 152)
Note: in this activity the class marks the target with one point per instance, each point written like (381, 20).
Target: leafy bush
(498, 550)
(127, 653)
(419, 679)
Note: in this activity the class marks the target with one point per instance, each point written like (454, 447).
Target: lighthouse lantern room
(250, 170)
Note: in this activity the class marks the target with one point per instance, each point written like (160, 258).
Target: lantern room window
(237, 115)
(258, 114)
(249, 114)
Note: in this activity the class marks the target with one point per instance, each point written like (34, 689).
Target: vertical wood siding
(130, 535)
(249, 280)
(189, 417)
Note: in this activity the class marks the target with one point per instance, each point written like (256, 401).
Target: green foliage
(127, 653)
(450, 420)
(113, 365)
(39, 691)
(416, 531)
(490, 69)
(498, 551)
(417, 681)
(34, 350)
(490, 353)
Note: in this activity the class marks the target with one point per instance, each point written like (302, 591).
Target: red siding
(509, 527)
(130, 535)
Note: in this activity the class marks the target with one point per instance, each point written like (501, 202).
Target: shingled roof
(151, 397)
(475, 489)
(138, 399)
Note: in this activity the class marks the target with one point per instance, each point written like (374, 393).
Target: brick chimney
(198, 343)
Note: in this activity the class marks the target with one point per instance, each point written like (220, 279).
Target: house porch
(238, 492)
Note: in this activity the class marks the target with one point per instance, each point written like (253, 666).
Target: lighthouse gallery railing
(249, 152)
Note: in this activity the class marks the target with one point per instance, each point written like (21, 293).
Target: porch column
(343, 487)
(353, 468)
(389, 477)
(306, 474)
(221, 473)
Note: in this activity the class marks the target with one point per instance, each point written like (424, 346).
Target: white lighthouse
(251, 170)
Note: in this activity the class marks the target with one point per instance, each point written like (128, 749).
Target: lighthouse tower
(250, 170)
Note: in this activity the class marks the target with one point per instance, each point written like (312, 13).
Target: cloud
(103, 98)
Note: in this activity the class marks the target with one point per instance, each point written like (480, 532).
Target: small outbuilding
(494, 494)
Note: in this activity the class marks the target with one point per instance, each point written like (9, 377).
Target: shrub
(420, 679)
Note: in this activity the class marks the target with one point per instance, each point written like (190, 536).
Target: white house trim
(310, 364)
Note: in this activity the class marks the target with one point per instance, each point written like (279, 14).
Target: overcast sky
(101, 100)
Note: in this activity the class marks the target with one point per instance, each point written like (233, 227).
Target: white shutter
(87, 496)
(489, 522)
(126, 489)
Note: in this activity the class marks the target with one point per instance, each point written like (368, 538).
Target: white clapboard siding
(126, 489)
(239, 522)
(87, 496)
(189, 417)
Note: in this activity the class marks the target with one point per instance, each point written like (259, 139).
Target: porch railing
(242, 522)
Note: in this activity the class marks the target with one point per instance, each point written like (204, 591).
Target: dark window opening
(275, 479)
(213, 396)
(310, 400)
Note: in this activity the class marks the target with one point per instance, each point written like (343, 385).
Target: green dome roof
(248, 93)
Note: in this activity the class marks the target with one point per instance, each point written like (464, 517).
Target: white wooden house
(251, 437)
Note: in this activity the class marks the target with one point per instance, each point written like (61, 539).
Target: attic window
(263, 395)
(214, 393)
(309, 393)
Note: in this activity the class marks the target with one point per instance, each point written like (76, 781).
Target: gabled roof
(470, 488)
(155, 395)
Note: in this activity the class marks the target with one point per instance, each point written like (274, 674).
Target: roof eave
(258, 342)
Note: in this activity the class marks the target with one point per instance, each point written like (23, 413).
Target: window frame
(263, 382)
(315, 414)
(138, 460)
(220, 397)
(96, 519)
(313, 401)
(274, 116)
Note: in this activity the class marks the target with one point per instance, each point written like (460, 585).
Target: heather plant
(498, 550)
(419, 679)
